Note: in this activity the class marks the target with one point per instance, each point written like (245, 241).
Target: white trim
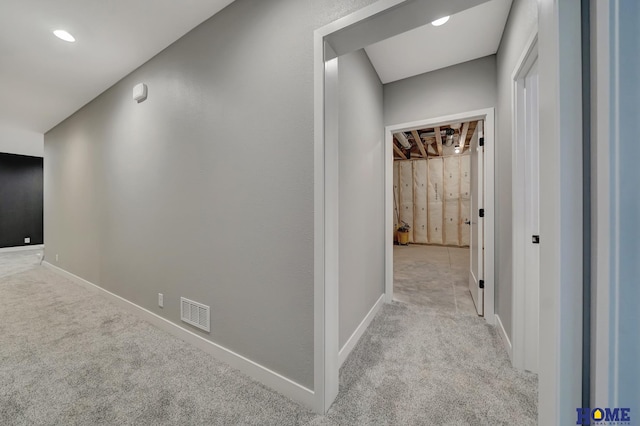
(601, 181)
(325, 283)
(357, 334)
(489, 216)
(331, 231)
(505, 339)
(325, 280)
(614, 212)
(256, 371)
(21, 248)
(319, 307)
(388, 214)
(487, 114)
(561, 245)
(528, 56)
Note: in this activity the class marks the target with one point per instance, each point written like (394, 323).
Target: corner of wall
(19, 141)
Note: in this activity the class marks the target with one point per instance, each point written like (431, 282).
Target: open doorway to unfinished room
(432, 198)
(440, 188)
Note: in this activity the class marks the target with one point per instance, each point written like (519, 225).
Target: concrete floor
(433, 276)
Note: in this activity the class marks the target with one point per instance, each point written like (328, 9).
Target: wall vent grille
(194, 313)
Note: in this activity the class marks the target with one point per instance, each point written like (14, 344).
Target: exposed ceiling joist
(418, 141)
(439, 140)
(398, 151)
(429, 142)
(462, 142)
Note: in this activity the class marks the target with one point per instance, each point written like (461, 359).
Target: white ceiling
(43, 79)
(470, 34)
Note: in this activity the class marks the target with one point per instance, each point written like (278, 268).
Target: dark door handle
(468, 222)
(535, 239)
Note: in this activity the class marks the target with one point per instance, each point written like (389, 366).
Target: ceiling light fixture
(440, 21)
(64, 35)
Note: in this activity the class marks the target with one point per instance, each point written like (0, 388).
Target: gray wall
(458, 88)
(205, 190)
(522, 21)
(14, 140)
(361, 183)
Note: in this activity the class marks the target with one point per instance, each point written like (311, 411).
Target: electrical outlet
(161, 300)
(27, 240)
(56, 257)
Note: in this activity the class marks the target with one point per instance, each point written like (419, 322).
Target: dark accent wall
(20, 200)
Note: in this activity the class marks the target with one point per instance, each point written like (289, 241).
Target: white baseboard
(504, 338)
(252, 369)
(357, 334)
(22, 248)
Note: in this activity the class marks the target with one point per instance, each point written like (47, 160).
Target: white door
(531, 221)
(476, 238)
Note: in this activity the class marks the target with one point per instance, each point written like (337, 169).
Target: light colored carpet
(69, 357)
(414, 367)
(18, 261)
(428, 359)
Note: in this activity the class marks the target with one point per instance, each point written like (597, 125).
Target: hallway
(428, 363)
(428, 359)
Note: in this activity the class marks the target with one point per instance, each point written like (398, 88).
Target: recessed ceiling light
(440, 21)
(63, 35)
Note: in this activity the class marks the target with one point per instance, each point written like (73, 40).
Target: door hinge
(481, 213)
(481, 142)
(481, 283)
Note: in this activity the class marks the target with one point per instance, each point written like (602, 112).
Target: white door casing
(526, 211)
(532, 221)
(476, 237)
(559, 378)
(487, 117)
(346, 34)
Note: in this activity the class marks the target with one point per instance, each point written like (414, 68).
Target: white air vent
(194, 313)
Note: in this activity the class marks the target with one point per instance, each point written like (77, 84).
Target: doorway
(437, 185)
(465, 217)
(526, 212)
(560, 369)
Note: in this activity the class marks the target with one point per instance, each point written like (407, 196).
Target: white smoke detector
(140, 92)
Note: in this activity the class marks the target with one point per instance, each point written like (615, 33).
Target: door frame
(518, 203)
(560, 345)
(488, 115)
(604, 348)
(326, 364)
